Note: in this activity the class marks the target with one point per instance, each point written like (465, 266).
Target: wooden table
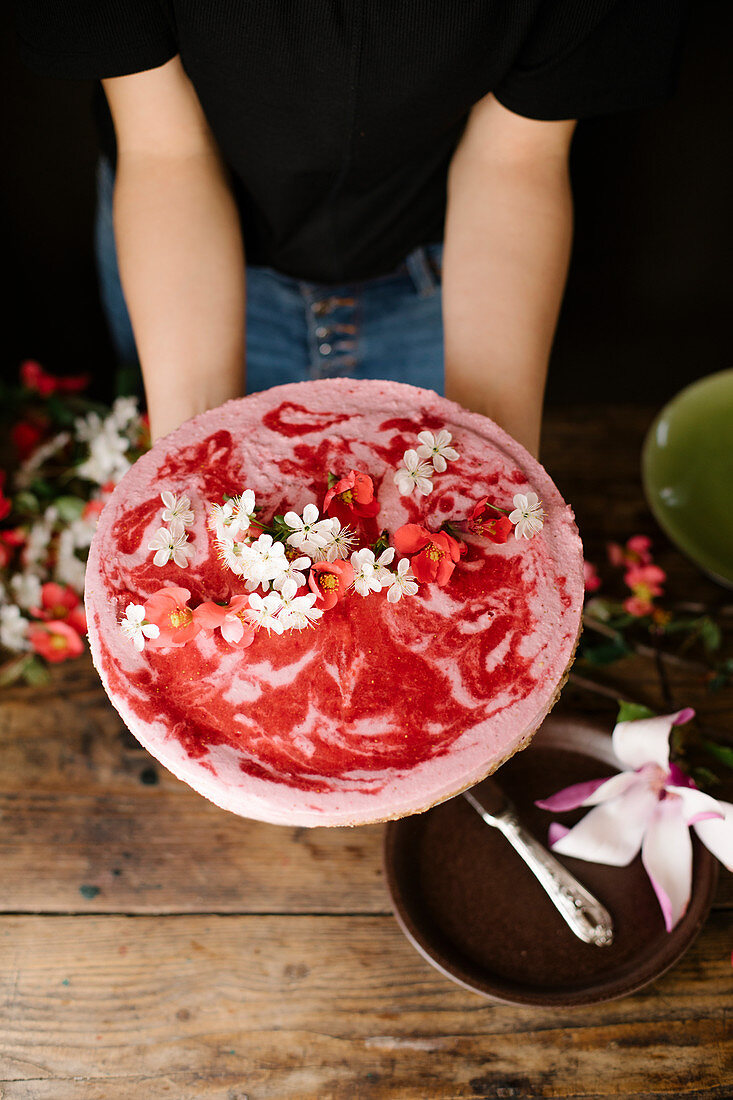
(155, 946)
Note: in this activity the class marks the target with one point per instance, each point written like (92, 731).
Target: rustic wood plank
(327, 1007)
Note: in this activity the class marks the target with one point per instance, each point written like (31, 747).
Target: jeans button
(325, 349)
(321, 332)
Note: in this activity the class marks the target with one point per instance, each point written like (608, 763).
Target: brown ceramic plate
(467, 902)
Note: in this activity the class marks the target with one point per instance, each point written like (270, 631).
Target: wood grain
(315, 1007)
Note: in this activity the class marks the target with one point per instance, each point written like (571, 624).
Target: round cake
(334, 602)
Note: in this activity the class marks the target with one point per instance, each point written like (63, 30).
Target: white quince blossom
(107, 455)
(26, 588)
(86, 428)
(36, 547)
(385, 558)
(264, 611)
(297, 612)
(234, 516)
(69, 569)
(528, 516)
(308, 534)
(366, 580)
(170, 543)
(124, 412)
(403, 582)
(292, 573)
(436, 448)
(268, 560)
(13, 629)
(414, 474)
(135, 627)
(177, 509)
(340, 540)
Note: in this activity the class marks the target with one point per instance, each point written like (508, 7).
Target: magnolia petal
(589, 793)
(667, 857)
(717, 834)
(696, 804)
(556, 832)
(611, 832)
(647, 739)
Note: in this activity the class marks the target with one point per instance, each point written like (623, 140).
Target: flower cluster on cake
(334, 602)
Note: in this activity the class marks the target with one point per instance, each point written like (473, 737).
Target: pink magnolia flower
(649, 807)
(55, 640)
(231, 619)
(167, 609)
(435, 553)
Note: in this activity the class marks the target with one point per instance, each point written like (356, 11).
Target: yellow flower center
(181, 616)
(347, 496)
(58, 641)
(434, 552)
(328, 580)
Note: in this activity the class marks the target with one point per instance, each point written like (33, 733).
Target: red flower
(55, 640)
(5, 503)
(330, 580)
(231, 619)
(351, 496)
(13, 536)
(26, 435)
(637, 551)
(436, 553)
(61, 603)
(645, 582)
(592, 580)
(489, 523)
(167, 609)
(34, 377)
(92, 509)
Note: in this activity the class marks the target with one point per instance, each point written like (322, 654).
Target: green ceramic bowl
(687, 471)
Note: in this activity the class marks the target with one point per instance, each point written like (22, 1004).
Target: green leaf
(711, 634)
(605, 653)
(382, 543)
(69, 508)
(723, 753)
(13, 670)
(36, 672)
(704, 778)
(632, 712)
(26, 502)
(332, 479)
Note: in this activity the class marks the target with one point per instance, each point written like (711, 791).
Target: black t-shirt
(338, 118)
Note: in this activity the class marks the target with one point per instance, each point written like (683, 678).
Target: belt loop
(421, 272)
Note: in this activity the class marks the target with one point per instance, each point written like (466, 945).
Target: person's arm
(179, 246)
(507, 245)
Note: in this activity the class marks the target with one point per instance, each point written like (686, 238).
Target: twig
(591, 623)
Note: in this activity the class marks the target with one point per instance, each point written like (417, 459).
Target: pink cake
(383, 706)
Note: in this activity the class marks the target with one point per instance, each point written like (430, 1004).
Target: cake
(368, 701)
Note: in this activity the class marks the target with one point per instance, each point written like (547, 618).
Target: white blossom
(135, 626)
(385, 558)
(177, 509)
(124, 412)
(339, 542)
(292, 573)
(170, 544)
(107, 455)
(13, 629)
(234, 516)
(403, 582)
(27, 470)
(297, 612)
(35, 551)
(264, 611)
(68, 568)
(366, 579)
(528, 516)
(268, 560)
(308, 533)
(436, 448)
(26, 589)
(414, 474)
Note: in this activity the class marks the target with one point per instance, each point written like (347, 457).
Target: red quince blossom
(93, 509)
(25, 436)
(592, 580)
(231, 619)
(330, 580)
(60, 603)
(487, 522)
(435, 553)
(34, 377)
(637, 551)
(167, 609)
(351, 496)
(6, 503)
(55, 640)
(645, 582)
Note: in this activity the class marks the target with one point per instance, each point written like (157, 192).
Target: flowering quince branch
(650, 807)
(67, 454)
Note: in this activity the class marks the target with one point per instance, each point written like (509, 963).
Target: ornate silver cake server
(581, 911)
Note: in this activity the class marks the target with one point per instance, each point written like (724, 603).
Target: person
(345, 187)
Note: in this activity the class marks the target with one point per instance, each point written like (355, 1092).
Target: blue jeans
(388, 327)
